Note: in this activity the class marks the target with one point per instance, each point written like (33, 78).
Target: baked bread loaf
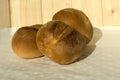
(24, 42)
(61, 39)
(60, 42)
(76, 19)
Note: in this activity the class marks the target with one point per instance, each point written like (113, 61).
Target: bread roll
(76, 19)
(60, 42)
(24, 42)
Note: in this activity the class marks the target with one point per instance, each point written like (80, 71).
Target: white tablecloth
(102, 61)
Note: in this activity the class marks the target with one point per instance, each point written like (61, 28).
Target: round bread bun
(24, 42)
(76, 19)
(60, 42)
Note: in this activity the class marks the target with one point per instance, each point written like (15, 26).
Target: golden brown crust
(62, 39)
(36, 26)
(24, 43)
(76, 19)
(60, 42)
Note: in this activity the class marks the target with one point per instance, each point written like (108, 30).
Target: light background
(19, 13)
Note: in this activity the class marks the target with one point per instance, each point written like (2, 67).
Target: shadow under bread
(97, 34)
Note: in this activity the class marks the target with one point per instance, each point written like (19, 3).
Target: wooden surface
(25, 12)
(50, 7)
(4, 13)
(92, 8)
(111, 12)
(29, 12)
